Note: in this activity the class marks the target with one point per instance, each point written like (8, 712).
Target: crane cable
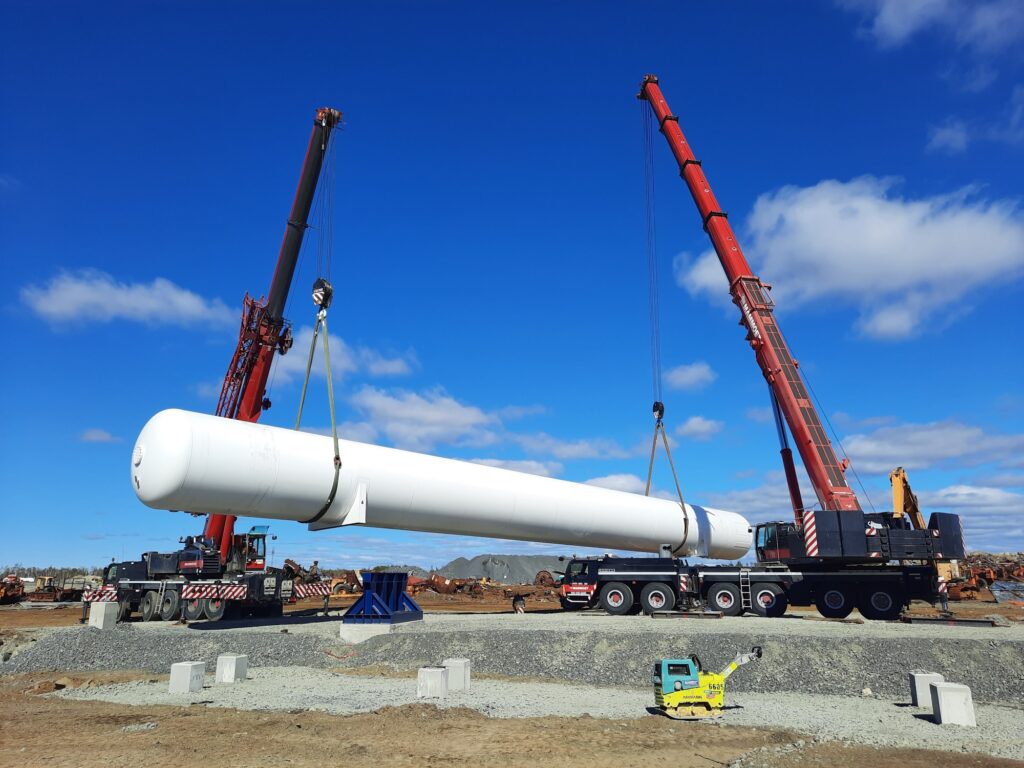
(323, 293)
(655, 312)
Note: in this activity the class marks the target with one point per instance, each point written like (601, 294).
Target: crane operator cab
(684, 691)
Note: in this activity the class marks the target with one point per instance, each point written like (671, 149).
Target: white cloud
(699, 428)
(208, 390)
(690, 376)
(544, 444)
(992, 518)
(627, 482)
(345, 360)
(985, 27)
(96, 435)
(421, 421)
(760, 415)
(376, 364)
(529, 466)
(96, 296)
(951, 137)
(954, 135)
(934, 444)
(905, 264)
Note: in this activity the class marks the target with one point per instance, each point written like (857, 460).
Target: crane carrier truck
(833, 555)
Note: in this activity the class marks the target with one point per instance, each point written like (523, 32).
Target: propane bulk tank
(208, 464)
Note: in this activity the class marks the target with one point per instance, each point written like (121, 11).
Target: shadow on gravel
(274, 623)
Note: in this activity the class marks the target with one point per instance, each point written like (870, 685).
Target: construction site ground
(550, 688)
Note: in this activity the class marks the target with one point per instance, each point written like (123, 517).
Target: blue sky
(489, 244)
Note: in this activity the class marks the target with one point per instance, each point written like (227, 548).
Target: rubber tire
(657, 596)
(880, 604)
(981, 583)
(339, 589)
(150, 606)
(124, 610)
(616, 590)
(214, 608)
(776, 606)
(192, 609)
(170, 606)
(725, 597)
(840, 609)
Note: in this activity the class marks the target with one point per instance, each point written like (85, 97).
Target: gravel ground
(800, 656)
(129, 646)
(866, 720)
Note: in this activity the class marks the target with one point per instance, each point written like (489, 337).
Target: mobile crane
(835, 556)
(221, 569)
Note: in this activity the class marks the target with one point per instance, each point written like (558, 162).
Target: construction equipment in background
(684, 691)
(68, 589)
(193, 583)
(904, 500)
(346, 583)
(12, 589)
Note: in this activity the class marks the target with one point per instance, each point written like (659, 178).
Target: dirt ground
(108, 736)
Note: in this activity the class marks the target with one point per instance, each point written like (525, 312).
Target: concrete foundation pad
(232, 667)
(187, 676)
(458, 673)
(103, 615)
(357, 633)
(432, 683)
(920, 693)
(952, 704)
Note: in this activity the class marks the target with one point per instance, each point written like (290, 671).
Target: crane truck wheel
(170, 606)
(657, 597)
(192, 608)
(617, 598)
(725, 598)
(834, 602)
(124, 610)
(150, 608)
(769, 600)
(214, 608)
(880, 604)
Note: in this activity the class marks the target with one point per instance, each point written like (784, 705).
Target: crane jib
(751, 296)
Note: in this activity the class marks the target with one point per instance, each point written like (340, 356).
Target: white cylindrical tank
(201, 463)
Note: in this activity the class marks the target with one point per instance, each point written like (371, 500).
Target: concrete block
(232, 667)
(458, 674)
(357, 633)
(102, 615)
(187, 676)
(952, 704)
(920, 693)
(432, 683)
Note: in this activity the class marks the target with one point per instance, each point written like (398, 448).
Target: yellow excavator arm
(904, 501)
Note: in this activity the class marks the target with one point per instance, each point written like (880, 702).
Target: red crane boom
(264, 330)
(752, 297)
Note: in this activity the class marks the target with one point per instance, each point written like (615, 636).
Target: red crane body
(752, 297)
(264, 331)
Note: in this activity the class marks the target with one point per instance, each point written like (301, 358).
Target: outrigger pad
(384, 601)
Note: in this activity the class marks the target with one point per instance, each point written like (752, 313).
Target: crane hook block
(323, 292)
(659, 410)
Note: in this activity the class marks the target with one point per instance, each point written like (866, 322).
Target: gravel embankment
(79, 649)
(865, 720)
(799, 656)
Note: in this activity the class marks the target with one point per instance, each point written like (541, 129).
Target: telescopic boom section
(751, 295)
(264, 330)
